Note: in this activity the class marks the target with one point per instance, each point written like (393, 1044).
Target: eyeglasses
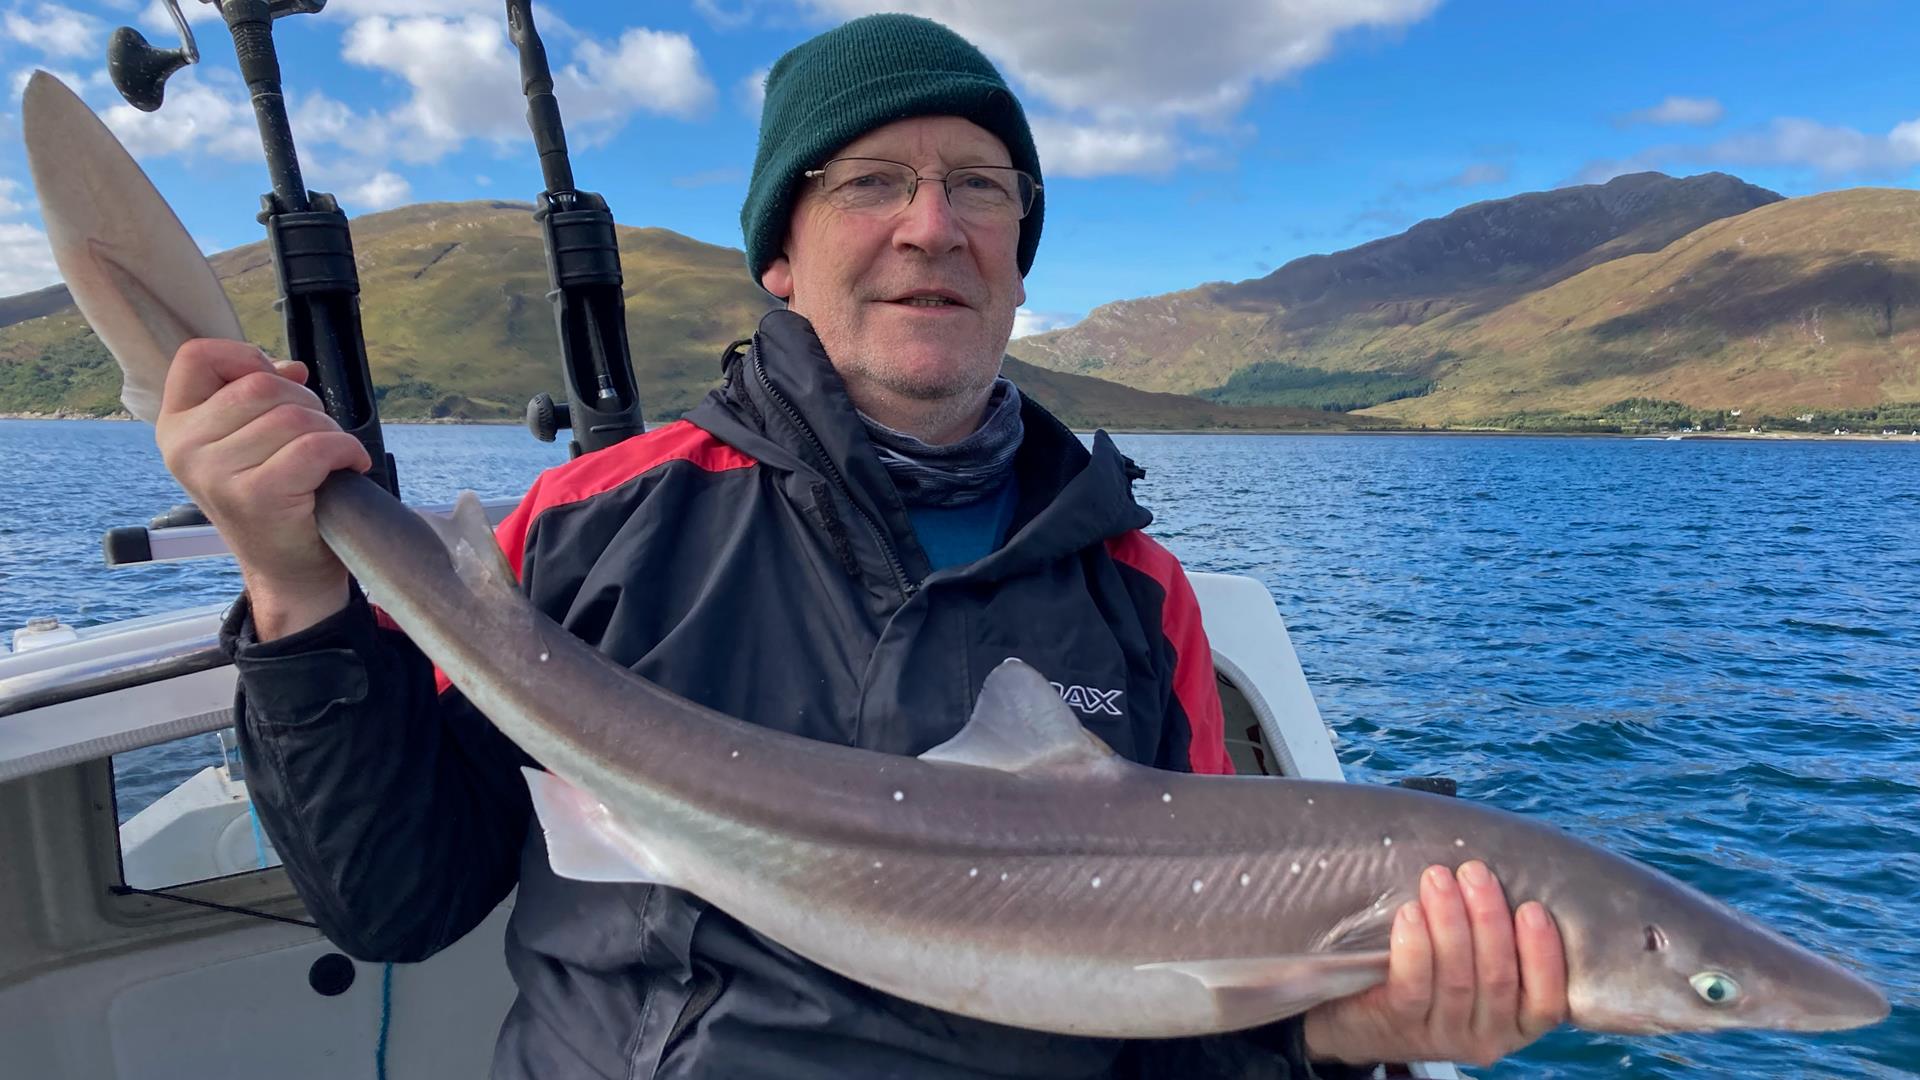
(982, 194)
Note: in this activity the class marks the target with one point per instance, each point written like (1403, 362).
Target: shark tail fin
(472, 548)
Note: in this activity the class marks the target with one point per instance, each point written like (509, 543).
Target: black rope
(128, 890)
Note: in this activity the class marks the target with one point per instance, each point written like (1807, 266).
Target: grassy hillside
(1389, 304)
(453, 302)
(1085, 402)
(1781, 307)
(1811, 303)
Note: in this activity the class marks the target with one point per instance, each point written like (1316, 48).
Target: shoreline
(1724, 436)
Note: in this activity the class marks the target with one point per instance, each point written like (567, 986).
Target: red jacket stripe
(1193, 678)
(603, 470)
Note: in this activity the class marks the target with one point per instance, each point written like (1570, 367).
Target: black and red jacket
(755, 558)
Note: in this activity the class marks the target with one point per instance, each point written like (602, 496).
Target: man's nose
(928, 221)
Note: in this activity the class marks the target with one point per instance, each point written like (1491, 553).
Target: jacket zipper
(900, 579)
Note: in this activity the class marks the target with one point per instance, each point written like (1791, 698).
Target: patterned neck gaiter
(962, 473)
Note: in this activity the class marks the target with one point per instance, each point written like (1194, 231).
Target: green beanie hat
(829, 91)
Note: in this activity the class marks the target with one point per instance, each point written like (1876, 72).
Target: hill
(1810, 303)
(1706, 291)
(1387, 305)
(453, 302)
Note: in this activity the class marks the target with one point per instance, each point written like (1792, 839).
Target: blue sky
(1183, 142)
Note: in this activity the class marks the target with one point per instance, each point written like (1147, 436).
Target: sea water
(1704, 653)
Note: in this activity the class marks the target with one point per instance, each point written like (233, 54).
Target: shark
(1022, 872)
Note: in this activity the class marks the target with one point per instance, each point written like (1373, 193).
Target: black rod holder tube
(583, 269)
(312, 248)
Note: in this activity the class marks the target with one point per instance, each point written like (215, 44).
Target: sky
(1181, 141)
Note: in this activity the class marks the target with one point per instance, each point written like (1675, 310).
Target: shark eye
(1715, 988)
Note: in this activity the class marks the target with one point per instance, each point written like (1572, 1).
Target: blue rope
(386, 1016)
(259, 841)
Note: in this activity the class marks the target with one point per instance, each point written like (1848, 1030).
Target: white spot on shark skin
(975, 872)
(1198, 885)
(1386, 841)
(1296, 868)
(877, 864)
(1309, 802)
(736, 753)
(1003, 875)
(1323, 864)
(1167, 797)
(545, 656)
(1247, 879)
(1096, 881)
(1459, 843)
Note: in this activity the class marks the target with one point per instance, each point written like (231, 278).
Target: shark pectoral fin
(582, 842)
(1020, 725)
(1259, 990)
(472, 548)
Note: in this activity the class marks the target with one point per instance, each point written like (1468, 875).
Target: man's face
(851, 275)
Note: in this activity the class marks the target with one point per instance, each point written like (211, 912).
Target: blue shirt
(957, 535)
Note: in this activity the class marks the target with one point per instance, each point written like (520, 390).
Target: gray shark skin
(1022, 873)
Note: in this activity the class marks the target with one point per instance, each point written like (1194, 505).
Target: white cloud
(1904, 140)
(1694, 112)
(1133, 78)
(720, 18)
(198, 120)
(1788, 142)
(1477, 174)
(26, 262)
(361, 9)
(753, 92)
(463, 77)
(1027, 322)
(381, 191)
(1792, 141)
(55, 30)
(8, 204)
(78, 83)
(653, 70)
(1101, 149)
(712, 178)
(1199, 57)
(154, 17)
(464, 80)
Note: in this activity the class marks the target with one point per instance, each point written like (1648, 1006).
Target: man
(840, 543)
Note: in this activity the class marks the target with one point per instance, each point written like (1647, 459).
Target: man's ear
(778, 278)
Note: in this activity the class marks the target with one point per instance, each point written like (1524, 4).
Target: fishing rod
(583, 270)
(307, 233)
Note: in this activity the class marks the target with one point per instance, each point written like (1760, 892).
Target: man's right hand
(251, 444)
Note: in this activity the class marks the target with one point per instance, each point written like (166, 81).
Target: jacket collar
(784, 404)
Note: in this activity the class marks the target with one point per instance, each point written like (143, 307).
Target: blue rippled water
(1702, 654)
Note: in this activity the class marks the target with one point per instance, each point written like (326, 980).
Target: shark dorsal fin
(1020, 725)
(472, 548)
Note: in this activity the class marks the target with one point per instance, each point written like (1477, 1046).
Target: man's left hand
(1468, 980)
